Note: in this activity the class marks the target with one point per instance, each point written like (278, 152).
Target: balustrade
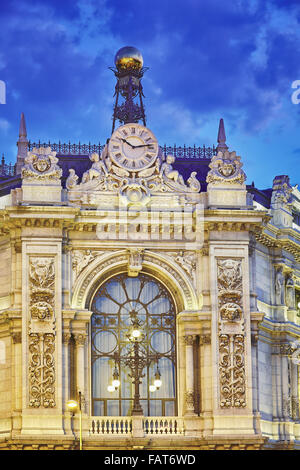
(158, 425)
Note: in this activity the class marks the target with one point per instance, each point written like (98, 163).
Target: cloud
(207, 60)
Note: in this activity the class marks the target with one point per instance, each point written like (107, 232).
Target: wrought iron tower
(129, 72)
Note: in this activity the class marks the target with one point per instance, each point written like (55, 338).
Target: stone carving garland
(41, 337)
(232, 376)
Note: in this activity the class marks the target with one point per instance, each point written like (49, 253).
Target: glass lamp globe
(136, 333)
(152, 388)
(116, 383)
(72, 405)
(110, 388)
(157, 383)
(129, 58)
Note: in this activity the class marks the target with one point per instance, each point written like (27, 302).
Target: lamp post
(73, 406)
(136, 361)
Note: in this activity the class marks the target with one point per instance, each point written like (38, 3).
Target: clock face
(133, 147)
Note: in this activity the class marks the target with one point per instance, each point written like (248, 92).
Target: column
(294, 389)
(80, 339)
(66, 367)
(189, 375)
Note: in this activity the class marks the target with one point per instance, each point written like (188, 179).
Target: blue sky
(207, 59)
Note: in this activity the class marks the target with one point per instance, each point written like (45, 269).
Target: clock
(133, 147)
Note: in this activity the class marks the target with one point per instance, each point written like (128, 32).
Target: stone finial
(221, 137)
(22, 130)
(22, 144)
(281, 191)
(281, 201)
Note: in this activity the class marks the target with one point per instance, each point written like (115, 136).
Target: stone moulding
(152, 262)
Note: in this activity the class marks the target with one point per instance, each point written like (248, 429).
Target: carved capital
(80, 339)
(189, 340)
(189, 400)
(66, 338)
(205, 339)
(17, 337)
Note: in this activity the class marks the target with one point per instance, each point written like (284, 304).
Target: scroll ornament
(41, 337)
(232, 375)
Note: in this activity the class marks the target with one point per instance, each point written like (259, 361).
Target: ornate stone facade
(229, 268)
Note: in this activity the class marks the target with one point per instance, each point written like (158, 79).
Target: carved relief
(41, 370)
(232, 376)
(189, 400)
(135, 261)
(41, 164)
(226, 167)
(82, 258)
(41, 282)
(187, 261)
(232, 371)
(136, 186)
(41, 330)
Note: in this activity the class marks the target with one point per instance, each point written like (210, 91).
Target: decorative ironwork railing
(7, 169)
(86, 149)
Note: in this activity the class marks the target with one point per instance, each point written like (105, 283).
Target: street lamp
(136, 360)
(73, 406)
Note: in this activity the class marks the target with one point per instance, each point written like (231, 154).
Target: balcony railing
(163, 426)
(123, 426)
(86, 149)
(111, 425)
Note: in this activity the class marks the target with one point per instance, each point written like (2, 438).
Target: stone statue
(193, 183)
(98, 169)
(279, 286)
(167, 170)
(290, 292)
(72, 179)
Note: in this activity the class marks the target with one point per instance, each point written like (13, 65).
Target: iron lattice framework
(118, 305)
(129, 86)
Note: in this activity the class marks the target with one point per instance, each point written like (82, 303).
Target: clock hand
(138, 146)
(128, 143)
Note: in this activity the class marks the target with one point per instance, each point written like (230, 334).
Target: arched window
(119, 304)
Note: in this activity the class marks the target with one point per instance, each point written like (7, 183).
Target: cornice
(283, 238)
